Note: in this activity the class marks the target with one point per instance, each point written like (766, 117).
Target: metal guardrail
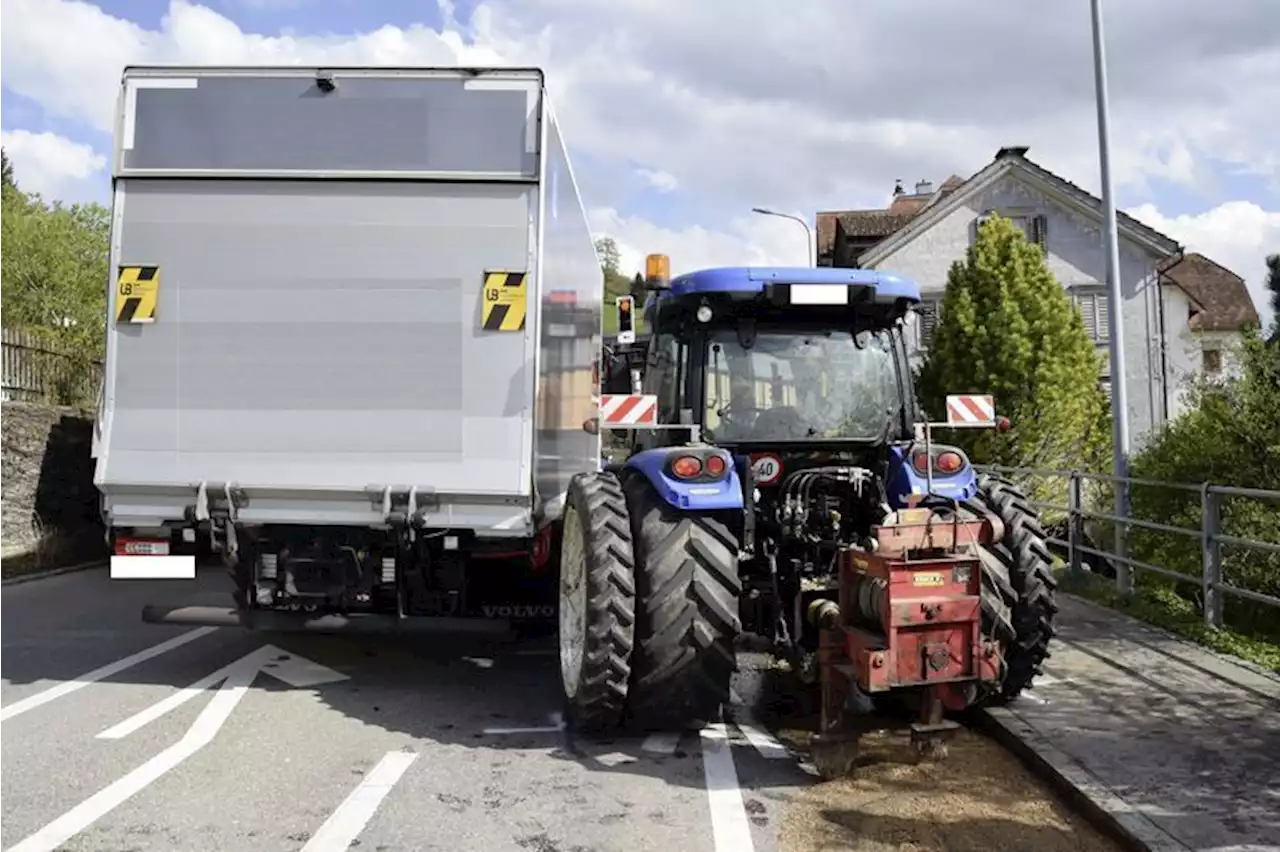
(1209, 534)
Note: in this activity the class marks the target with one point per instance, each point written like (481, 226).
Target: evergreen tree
(6, 170)
(1008, 328)
(1273, 287)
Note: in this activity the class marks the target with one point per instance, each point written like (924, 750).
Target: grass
(52, 549)
(1161, 607)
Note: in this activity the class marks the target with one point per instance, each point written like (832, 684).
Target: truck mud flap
(302, 622)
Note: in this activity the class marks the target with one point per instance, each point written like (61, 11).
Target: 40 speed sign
(766, 468)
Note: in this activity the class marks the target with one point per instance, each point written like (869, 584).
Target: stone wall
(49, 501)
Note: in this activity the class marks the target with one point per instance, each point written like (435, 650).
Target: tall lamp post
(812, 249)
(1119, 395)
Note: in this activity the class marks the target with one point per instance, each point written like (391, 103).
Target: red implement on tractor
(908, 616)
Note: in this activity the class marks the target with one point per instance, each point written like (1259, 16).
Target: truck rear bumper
(301, 622)
(156, 506)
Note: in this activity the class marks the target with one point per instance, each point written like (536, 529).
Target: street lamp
(1119, 395)
(808, 231)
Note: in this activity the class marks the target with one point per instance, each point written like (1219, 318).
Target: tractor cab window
(661, 376)
(800, 386)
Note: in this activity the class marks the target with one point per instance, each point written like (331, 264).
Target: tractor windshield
(800, 386)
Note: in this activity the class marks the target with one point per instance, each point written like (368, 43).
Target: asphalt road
(297, 742)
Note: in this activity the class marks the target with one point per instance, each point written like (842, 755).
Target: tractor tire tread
(611, 601)
(688, 586)
(1024, 555)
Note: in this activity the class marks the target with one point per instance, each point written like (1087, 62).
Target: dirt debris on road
(980, 799)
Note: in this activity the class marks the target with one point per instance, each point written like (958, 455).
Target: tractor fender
(722, 494)
(903, 481)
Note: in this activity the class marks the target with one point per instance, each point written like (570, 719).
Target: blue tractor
(788, 438)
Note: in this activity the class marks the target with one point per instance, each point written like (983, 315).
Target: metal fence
(1209, 534)
(35, 371)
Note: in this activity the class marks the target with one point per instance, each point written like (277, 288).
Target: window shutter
(928, 311)
(1103, 307)
(1089, 315)
(1040, 231)
(975, 225)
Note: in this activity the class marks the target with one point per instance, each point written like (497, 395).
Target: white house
(1182, 313)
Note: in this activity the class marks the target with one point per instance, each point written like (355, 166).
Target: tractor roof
(884, 287)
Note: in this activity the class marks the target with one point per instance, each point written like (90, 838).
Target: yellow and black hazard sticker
(137, 290)
(504, 301)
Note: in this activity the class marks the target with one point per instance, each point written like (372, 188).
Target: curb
(53, 572)
(1092, 799)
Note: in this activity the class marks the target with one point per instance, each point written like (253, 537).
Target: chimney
(897, 188)
(924, 187)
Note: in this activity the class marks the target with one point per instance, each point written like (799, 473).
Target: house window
(927, 312)
(1212, 359)
(1095, 310)
(1034, 227)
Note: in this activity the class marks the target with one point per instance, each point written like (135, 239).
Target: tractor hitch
(908, 618)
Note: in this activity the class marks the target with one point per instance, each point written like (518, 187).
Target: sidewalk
(1179, 745)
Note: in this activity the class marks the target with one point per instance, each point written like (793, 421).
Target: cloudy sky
(682, 116)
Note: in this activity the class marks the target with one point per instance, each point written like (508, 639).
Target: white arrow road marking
(70, 686)
(729, 826)
(345, 824)
(238, 676)
(298, 672)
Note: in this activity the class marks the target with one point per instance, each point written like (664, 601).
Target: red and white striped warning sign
(628, 409)
(971, 410)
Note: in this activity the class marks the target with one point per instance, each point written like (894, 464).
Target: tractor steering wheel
(781, 423)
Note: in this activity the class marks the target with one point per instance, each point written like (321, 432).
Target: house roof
(1006, 161)
(1224, 300)
(879, 223)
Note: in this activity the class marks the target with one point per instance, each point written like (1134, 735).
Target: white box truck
(353, 325)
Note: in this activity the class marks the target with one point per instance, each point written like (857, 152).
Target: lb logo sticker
(765, 468)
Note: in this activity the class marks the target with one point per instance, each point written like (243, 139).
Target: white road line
(296, 671)
(211, 719)
(67, 687)
(762, 740)
(661, 743)
(345, 824)
(729, 826)
(155, 711)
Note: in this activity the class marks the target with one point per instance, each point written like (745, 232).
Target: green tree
(54, 278)
(1273, 286)
(6, 170)
(615, 282)
(1008, 328)
(1230, 435)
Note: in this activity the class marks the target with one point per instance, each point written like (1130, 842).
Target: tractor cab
(789, 368)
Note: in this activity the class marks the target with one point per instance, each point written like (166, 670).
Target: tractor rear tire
(688, 621)
(597, 599)
(1018, 585)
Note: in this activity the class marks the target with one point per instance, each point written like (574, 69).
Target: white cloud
(819, 105)
(52, 165)
(1239, 235)
(742, 241)
(658, 179)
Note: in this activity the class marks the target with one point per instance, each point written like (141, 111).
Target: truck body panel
(318, 342)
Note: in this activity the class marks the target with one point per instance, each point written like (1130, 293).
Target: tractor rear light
(686, 467)
(948, 462)
(716, 466)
